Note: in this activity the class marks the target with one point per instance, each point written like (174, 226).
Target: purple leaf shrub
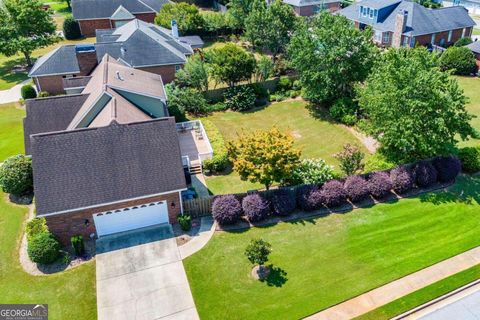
(448, 168)
(379, 184)
(403, 179)
(356, 188)
(226, 209)
(283, 202)
(255, 207)
(333, 194)
(425, 173)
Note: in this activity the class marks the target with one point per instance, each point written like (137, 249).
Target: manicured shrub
(181, 100)
(425, 174)
(448, 168)
(403, 179)
(283, 202)
(333, 194)
(71, 29)
(310, 171)
(226, 209)
(28, 92)
(185, 222)
(78, 245)
(16, 175)
(255, 207)
(219, 161)
(309, 198)
(43, 248)
(240, 98)
(470, 158)
(356, 188)
(379, 184)
(459, 59)
(463, 42)
(284, 84)
(35, 226)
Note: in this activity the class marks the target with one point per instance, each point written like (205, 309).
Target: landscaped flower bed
(240, 211)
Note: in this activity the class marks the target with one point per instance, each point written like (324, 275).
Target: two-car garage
(131, 218)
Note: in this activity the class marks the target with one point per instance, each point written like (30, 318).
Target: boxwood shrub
(403, 179)
(226, 209)
(379, 184)
(283, 202)
(333, 194)
(470, 158)
(255, 207)
(356, 188)
(448, 168)
(43, 248)
(425, 173)
(309, 198)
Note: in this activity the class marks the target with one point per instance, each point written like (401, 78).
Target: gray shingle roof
(88, 167)
(50, 114)
(420, 20)
(474, 46)
(97, 9)
(61, 60)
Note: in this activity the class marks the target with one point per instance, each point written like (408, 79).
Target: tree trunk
(28, 59)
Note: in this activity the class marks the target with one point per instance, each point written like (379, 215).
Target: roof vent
(84, 48)
(119, 77)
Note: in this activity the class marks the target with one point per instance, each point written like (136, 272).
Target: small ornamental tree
(16, 175)
(470, 158)
(403, 179)
(226, 209)
(230, 64)
(448, 168)
(310, 171)
(458, 59)
(351, 159)
(283, 202)
(71, 28)
(356, 188)
(255, 207)
(379, 184)
(264, 156)
(194, 74)
(425, 174)
(333, 194)
(258, 251)
(264, 68)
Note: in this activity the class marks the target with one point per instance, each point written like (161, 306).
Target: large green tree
(194, 74)
(24, 27)
(230, 64)
(239, 10)
(415, 109)
(187, 16)
(256, 23)
(331, 56)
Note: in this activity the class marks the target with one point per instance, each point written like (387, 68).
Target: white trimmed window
(378, 36)
(463, 32)
(405, 41)
(386, 37)
(450, 36)
(432, 41)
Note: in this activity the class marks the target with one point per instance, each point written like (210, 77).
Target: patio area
(194, 144)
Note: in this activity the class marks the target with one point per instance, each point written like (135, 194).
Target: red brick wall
(69, 224)
(88, 27)
(51, 84)
(167, 72)
(456, 35)
(147, 17)
(308, 11)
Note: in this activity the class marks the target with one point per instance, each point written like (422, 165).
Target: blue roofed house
(405, 23)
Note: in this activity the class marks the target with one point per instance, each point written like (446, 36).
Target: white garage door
(130, 218)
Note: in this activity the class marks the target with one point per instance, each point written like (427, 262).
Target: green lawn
(423, 295)
(11, 134)
(324, 261)
(69, 295)
(316, 136)
(471, 87)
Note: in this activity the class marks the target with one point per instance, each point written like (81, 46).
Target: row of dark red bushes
(228, 209)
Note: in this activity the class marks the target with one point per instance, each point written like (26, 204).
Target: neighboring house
(106, 160)
(138, 44)
(404, 23)
(473, 6)
(108, 14)
(475, 48)
(307, 8)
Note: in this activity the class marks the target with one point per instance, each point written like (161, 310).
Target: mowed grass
(69, 295)
(471, 87)
(314, 134)
(324, 261)
(11, 133)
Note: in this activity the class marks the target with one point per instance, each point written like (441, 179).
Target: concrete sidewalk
(380, 296)
(13, 94)
(207, 229)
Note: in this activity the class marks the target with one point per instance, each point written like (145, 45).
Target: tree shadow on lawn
(466, 193)
(276, 278)
(320, 113)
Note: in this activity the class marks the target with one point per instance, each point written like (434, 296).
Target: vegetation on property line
(358, 251)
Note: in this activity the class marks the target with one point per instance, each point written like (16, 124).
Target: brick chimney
(86, 58)
(400, 25)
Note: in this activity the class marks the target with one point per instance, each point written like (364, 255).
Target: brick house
(106, 160)
(100, 14)
(307, 8)
(402, 23)
(137, 44)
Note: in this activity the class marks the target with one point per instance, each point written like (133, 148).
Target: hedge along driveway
(69, 295)
(324, 261)
(315, 135)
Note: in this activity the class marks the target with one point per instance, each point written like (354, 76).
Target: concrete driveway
(140, 276)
